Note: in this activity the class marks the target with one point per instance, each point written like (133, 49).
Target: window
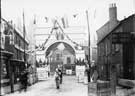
(4, 70)
(68, 60)
(117, 47)
(106, 48)
(58, 56)
(5, 73)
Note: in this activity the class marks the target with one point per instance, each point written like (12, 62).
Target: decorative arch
(54, 44)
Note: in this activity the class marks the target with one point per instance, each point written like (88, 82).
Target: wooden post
(11, 75)
(0, 69)
(24, 33)
(113, 80)
(88, 46)
(0, 51)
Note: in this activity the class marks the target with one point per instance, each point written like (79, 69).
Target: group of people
(58, 76)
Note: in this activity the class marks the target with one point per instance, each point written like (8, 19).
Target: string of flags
(42, 46)
(69, 37)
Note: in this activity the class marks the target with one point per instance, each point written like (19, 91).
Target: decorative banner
(62, 34)
(42, 73)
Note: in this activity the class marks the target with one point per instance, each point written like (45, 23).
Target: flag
(34, 22)
(75, 15)
(63, 22)
(94, 13)
(24, 30)
(46, 19)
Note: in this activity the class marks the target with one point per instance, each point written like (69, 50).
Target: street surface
(70, 87)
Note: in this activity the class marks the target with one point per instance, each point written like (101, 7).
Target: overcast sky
(98, 9)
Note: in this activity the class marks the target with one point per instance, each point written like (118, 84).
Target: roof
(119, 23)
(16, 30)
(106, 29)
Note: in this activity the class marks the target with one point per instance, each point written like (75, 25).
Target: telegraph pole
(24, 33)
(89, 56)
(0, 51)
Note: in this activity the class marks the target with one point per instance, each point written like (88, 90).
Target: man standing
(24, 80)
(61, 74)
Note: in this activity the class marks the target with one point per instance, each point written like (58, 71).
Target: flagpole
(24, 33)
(89, 56)
(0, 51)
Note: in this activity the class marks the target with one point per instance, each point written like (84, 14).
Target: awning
(6, 53)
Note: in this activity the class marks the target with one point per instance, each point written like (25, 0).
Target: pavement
(69, 87)
(125, 92)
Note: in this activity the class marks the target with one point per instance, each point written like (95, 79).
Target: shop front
(10, 72)
(6, 80)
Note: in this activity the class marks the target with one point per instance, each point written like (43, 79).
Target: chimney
(113, 12)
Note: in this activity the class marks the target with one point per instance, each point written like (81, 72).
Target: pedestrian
(24, 80)
(61, 74)
(87, 70)
(57, 78)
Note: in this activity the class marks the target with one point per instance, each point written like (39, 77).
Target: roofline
(119, 23)
(108, 33)
(15, 30)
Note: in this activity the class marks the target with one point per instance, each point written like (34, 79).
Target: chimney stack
(113, 12)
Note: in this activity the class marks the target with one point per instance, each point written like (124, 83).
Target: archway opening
(63, 54)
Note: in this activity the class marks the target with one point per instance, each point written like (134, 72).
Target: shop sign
(122, 37)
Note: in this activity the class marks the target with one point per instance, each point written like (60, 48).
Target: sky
(98, 10)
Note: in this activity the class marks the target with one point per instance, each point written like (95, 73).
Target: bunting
(42, 46)
(46, 19)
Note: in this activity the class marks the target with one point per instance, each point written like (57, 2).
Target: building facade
(12, 56)
(116, 55)
(104, 43)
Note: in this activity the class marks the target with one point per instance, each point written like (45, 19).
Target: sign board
(80, 54)
(80, 70)
(122, 37)
(42, 73)
(69, 72)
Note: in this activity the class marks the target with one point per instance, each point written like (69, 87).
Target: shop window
(4, 70)
(5, 74)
